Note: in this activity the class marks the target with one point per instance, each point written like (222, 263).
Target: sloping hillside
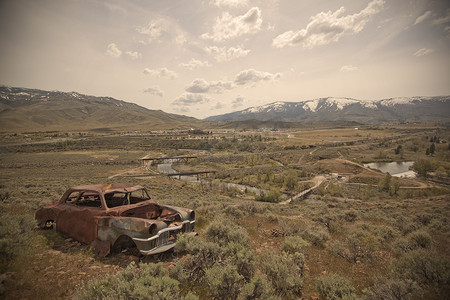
(36, 110)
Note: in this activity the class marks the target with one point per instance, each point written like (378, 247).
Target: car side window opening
(84, 199)
(138, 196)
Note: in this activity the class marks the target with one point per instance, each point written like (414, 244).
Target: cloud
(155, 90)
(224, 54)
(188, 99)
(228, 27)
(229, 3)
(443, 20)
(239, 101)
(152, 30)
(348, 68)
(199, 86)
(194, 64)
(423, 17)
(252, 76)
(161, 73)
(218, 105)
(423, 51)
(327, 27)
(134, 55)
(113, 51)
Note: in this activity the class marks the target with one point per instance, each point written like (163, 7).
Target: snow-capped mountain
(412, 109)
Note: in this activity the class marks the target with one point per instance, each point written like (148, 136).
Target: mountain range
(23, 109)
(331, 109)
(38, 110)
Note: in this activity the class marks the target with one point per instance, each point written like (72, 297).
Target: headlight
(152, 229)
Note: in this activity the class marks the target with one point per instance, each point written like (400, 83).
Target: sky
(207, 57)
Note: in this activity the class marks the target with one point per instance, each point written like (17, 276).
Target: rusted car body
(116, 216)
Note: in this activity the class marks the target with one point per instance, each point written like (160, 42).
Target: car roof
(107, 188)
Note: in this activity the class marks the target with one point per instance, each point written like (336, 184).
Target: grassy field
(360, 234)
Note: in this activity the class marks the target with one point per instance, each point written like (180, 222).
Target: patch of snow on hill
(395, 101)
(311, 105)
(341, 102)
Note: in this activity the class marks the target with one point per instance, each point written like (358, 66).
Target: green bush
(15, 236)
(316, 236)
(284, 272)
(392, 289)
(243, 258)
(224, 281)
(419, 239)
(258, 288)
(293, 244)
(334, 286)
(224, 233)
(423, 266)
(149, 281)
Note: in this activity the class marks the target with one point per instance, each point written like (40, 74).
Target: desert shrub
(272, 196)
(149, 281)
(203, 255)
(414, 240)
(233, 212)
(423, 266)
(330, 220)
(316, 236)
(250, 208)
(243, 258)
(350, 215)
(15, 236)
(224, 281)
(419, 239)
(334, 286)
(293, 244)
(291, 227)
(285, 272)
(258, 288)
(384, 233)
(391, 289)
(359, 244)
(290, 180)
(224, 233)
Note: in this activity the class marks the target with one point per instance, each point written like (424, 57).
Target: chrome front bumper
(164, 239)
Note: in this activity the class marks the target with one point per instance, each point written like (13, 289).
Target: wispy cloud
(134, 55)
(226, 54)
(229, 3)
(348, 68)
(218, 105)
(161, 73)
(250, 76)
(113, 51)
(155, 90)
(200, 85)
(194, 64)
(328, 27)
(229, 27)
(423, 51)
(423, 17)
(189, 99)
(238, 102)
(152, 30)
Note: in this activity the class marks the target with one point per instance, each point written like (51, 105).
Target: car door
(78, 216)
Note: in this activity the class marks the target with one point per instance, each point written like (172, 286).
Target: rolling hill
(24, 109)
(393, 110)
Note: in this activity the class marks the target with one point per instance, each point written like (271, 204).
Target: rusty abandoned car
(116, 216)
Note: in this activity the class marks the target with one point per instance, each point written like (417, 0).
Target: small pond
(398, 169)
